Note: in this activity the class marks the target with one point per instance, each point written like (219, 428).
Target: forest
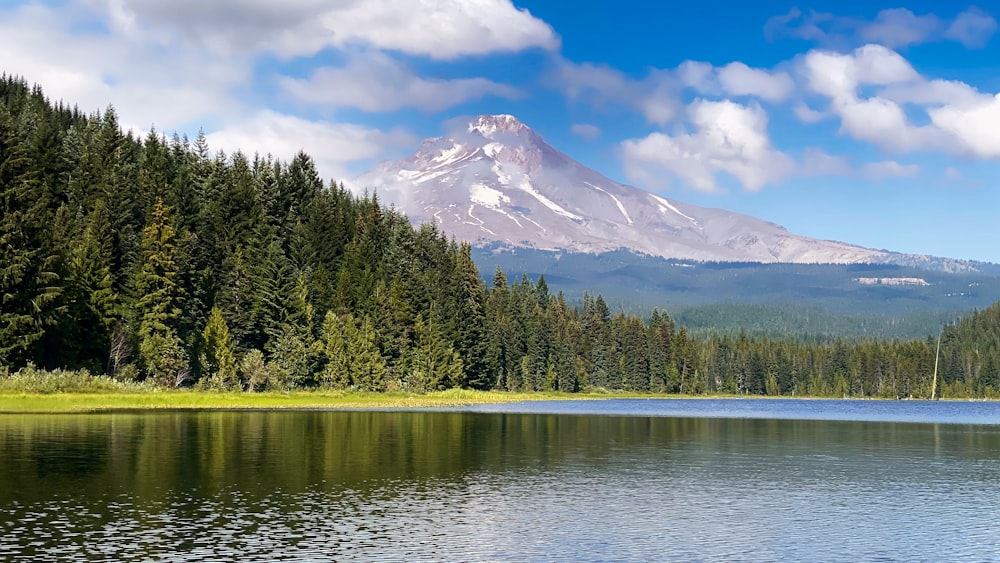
(155, 259)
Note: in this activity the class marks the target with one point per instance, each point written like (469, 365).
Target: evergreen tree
(156, 294)
(218, 360)
(93, 302)
(431, 363)
(28, 281)
(337, 369)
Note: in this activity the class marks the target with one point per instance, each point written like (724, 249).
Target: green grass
(34, 390)
(206, 400)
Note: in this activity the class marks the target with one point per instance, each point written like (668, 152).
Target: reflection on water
(493, 486)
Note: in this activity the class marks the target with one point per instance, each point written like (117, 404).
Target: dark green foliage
(156, 296)
(970, 355)
(150, 258)
(430, 363)
(218, 361)
(29, 285)
(778, 300)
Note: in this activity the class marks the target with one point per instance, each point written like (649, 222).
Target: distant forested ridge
(156, 259)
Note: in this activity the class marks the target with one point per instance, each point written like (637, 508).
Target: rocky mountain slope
(500, 182)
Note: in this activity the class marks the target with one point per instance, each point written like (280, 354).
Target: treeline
(155, 259)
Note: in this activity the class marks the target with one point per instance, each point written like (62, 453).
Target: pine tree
(28, 281)
(156, 293)
(218, 360)
(352, 356)
(333, 345)
(293, 348)
(431, 363)
(470, 320)
(93, 302)
(499, 331)
(368, 366)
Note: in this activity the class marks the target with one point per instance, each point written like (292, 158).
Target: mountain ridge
(498, 182)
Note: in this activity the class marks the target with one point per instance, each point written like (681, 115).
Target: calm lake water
(640, 480)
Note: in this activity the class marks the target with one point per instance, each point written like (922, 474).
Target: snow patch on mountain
(666, 205)
(525, 185)
(485, 195)
(616, 200)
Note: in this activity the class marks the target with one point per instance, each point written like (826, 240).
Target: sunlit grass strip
(203, 400)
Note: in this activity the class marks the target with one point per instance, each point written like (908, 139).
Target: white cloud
(376, 83)
(894, 27)
(889, 169)
(737, 79)
(933, 93)
(697, 75)
(331, 145)
(798, 24)
(808, 115)
(173, 84)
(952, 173)
(973, 28)
(959, 116)
(877, 120)
(728, 137)
(658, 95)
(144, 82)
(585, 130)
(898, 27)
(883, 122)
(444, 29)
(976, 126)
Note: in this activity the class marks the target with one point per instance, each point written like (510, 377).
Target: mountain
(497, 181)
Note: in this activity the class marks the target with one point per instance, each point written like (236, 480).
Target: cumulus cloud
(737, 79)
(377, 83)
(332, 145)
(603, 86)
(585, 130)
(894, 28)
(932, 93)
(960, 119)
(658, 95)
(808, 115)
(697, 75)
(444, 29)
(727, 137)
(972, 28)
(174, 86)
(898, 27)
(145, 83)
(976, 126)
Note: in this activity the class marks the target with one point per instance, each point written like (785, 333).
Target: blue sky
(868, 122)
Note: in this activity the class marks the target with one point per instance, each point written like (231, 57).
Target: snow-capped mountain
(498, 181)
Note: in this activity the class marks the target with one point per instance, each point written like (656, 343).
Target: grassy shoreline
(68, 402)
(163, 400)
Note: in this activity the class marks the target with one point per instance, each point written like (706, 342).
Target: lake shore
(69, 402)
(187, 399)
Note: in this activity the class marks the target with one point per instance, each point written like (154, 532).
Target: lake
(622, 480)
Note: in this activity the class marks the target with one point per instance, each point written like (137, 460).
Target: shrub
(31, 379)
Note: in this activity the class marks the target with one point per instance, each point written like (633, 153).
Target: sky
(867, 122)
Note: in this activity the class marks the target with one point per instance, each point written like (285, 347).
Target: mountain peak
(490, 125)
(499, 181)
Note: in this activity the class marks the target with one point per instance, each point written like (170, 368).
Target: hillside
(783, 299)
